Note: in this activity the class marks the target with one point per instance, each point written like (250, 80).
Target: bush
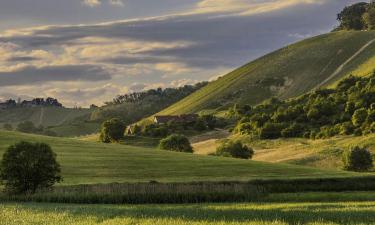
(112, 131)
(357, 159)
(26, 127)
(8, 127)
(27, 167)
(359, 117)
(235, 149)
(177, 143)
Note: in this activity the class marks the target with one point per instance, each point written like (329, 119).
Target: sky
(86, 52)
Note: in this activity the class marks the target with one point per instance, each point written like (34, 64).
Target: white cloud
(117, 3)
(248, 7)
(92, 3)
(95, 3)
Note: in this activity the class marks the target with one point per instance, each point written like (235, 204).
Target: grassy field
(344, 208)
(91, 162)
(288, 72)
(323, 153)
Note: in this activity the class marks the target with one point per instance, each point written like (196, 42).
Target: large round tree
(112, 130)
(27, 167)
(177, 143)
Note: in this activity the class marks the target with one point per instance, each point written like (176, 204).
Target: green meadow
(86, 162)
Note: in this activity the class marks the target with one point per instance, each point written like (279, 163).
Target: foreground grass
(332, 212)
(90, 162)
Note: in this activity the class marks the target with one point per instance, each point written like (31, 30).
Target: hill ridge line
(341, 67)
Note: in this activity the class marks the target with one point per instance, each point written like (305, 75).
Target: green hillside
(90, 162)
(288, 72)
(46, 116)
(59, 120)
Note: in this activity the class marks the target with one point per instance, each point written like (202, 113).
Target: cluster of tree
(360, 16)
(113, 130)
(347, 109)
(133, 107)
(203, 123)
(174, 93)
(234, 149)
(29, 127)
(357, 159)
(48, 102)
(176, 143)
(28, 167)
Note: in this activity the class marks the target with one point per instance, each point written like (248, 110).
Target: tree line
(360, 16)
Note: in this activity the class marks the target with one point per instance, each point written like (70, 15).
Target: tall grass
(199, 192)
(145, 193)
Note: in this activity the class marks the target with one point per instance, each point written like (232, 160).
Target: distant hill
(288, 72)
(77, 122)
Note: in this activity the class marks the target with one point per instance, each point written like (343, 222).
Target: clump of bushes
(349, 109)
(8, 127)
(357, 159)
(27, 167)
(177, 143)
(29, 127)
(112, 131)
(235, 149)
(202, 123)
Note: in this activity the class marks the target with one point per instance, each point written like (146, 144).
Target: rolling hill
(59, 120)
(288, 72)
(91, 162)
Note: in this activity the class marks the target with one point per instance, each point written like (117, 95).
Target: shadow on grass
(294, 213)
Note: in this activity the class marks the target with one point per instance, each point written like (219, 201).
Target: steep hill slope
(91, 162)
(288, 72)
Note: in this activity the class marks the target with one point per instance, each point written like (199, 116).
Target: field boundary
(194, 192)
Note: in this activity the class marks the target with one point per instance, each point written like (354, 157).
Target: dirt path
(41, 116)
(206, 143)
(341, 67)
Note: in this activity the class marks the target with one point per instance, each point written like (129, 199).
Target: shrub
(112, 131)
(235, 149)
(357, 159)
(8, 127)
(270, 131)
(359, 117)
(26, 127)
(27, 167)
(177, 143)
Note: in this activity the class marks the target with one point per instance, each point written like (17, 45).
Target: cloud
(117, 3)
(32, 75)
(214, 37)
(248, 7)
(95, 3)
(92, 3)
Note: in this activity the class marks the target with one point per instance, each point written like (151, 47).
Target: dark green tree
(27, 167)
(27, 127)
(177, 143)
(369, 17)
(357, 159)
(351, 18)
(359, 117)
(235, 149)
(8, 127)
(112, 130)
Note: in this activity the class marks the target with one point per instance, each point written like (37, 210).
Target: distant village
(36, 102)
